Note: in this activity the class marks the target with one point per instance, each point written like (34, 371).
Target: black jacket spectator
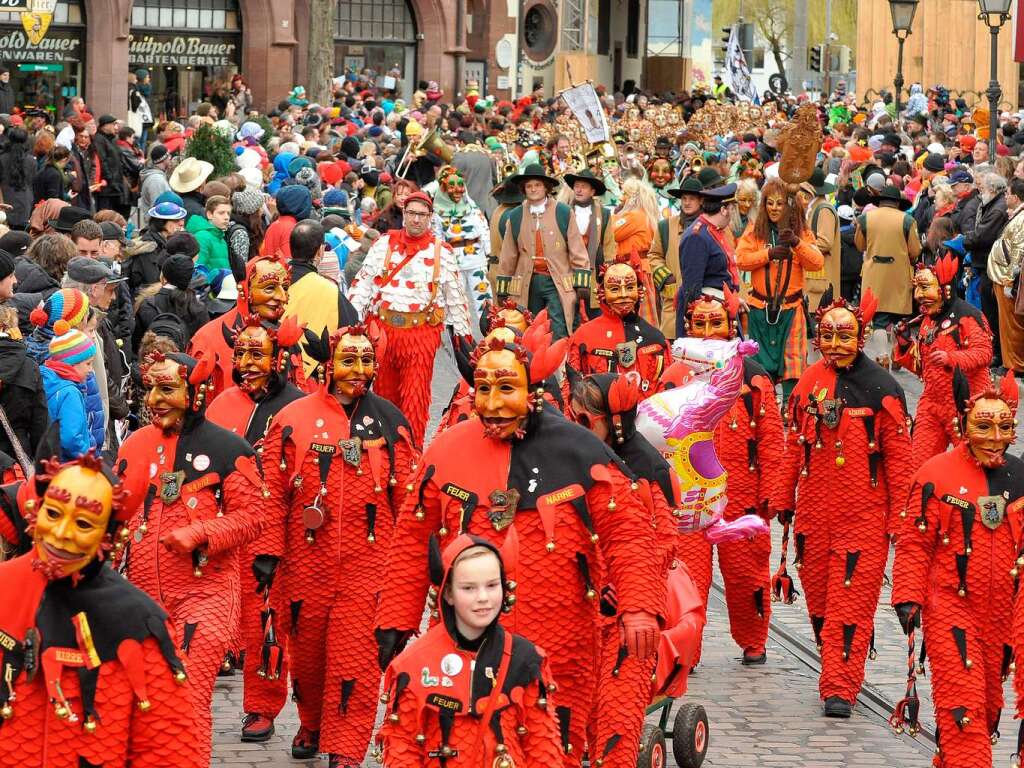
(17, 170)
(146, 256)
(115, 193)
(989, 223)
(965, 213)
(7, 96)
(48, 183)
(34, 286)
(22, 397)
(172, 301)
(84, 164)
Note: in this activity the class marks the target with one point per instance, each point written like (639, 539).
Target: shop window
(604, 20)
(374, 20)
(206, 15)
(67, 12)
(633, 29)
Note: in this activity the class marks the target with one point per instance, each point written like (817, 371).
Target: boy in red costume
(469, 693)
(92, 675)
(844, 473)
(264, 293)
(261, 363)
(619, 340)
(957, 567)
(201, 508)
(605, 403)
(521, 463)
(749, 444)
(410, 286)
(952, 334)
(337, 463)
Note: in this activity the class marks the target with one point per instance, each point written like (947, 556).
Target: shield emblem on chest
(626, 353)
(503, 508)
(831, 410)
(170, 486)
(351, 451)
(992, 510)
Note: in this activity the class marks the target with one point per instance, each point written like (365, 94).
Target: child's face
(475, 591)
(83, 368)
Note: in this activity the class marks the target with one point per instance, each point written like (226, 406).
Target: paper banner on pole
(739, 72)
(582, 100)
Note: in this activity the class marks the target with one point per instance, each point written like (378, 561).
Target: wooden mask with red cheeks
(620, 289)
(268, 289)
(354, 364)
(990, 425)
(928, 292)
(502, 398)
(707, 318)
(253, 360)
(840, 337)
(167, 397)
(71, 525)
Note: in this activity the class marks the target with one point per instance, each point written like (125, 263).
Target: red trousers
(260, 694)
(623, 693)
(747, 576)
(842, 614)
(933, 430)
(405, 372)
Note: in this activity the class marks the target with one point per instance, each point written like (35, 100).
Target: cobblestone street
(759, 716)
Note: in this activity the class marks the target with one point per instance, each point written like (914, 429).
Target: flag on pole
(739, 72)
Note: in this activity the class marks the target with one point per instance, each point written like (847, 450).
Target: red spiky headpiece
(945, 270)
(321, 348)
(244, 290)
(632, 259)
(728, 299)
(863, 312)
(283, 336)
(196, 373)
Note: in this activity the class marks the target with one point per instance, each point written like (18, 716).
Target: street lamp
(902, 19)
(994, 13)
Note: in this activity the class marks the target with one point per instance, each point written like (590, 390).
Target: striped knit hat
(66, 304)
(70, 345)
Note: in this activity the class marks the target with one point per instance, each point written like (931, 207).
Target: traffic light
(726, 35)
(815, 58)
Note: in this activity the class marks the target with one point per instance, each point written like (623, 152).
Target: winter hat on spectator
(6, 265)
(308, 178)
(106, 120)
(246, 202)
(182, 242)
(298, 164)
(845, 213)
(169, 197)
(330, 173)
(177, 270)
(934, 162)
(168, 211)
(69, 345)
(65, 304)
(253, 178)
(15, 242)
(247, 158)
(158, 153)
(335, 198)
(250, 130)
(294, 200)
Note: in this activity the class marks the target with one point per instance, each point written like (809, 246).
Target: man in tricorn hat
(543, 261)
(590, 219)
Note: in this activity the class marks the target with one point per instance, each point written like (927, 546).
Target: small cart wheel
(690, 736)
(653, 753)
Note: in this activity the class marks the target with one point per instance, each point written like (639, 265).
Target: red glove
(939, 357)
(183, 540)
(639, 632)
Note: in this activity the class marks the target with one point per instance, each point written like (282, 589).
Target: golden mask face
(268, 290)
(990, 431)
(253, 360)
(73, 518)
(355, 363)
(744, 201)
(927, 292)
(775, 207)
(501, 393)
(661, 173)
(839, 337)
(709, 320)
(166, 394)
(621, 289)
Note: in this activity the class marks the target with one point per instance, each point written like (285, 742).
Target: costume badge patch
(992, 510)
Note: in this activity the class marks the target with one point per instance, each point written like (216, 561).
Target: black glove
(263, 569)
(670, 280)
(780, 253)
(787, 237)
(390, 643)
(583, 294)
(909, 615)
(786, 516)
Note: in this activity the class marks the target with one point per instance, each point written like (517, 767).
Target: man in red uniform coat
(201, 508)
(409, 286)
(260, 370)
(619, 340)
(338, 464)
(748, 442)
(844, 474)
(522, 465)
(952, 334)
(92, 675)
(265, 293)
(957, 570)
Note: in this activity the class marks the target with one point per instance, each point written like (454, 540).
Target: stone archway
(269, 40)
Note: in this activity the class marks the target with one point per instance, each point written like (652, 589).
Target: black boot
(306, 744)
(837, 707)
